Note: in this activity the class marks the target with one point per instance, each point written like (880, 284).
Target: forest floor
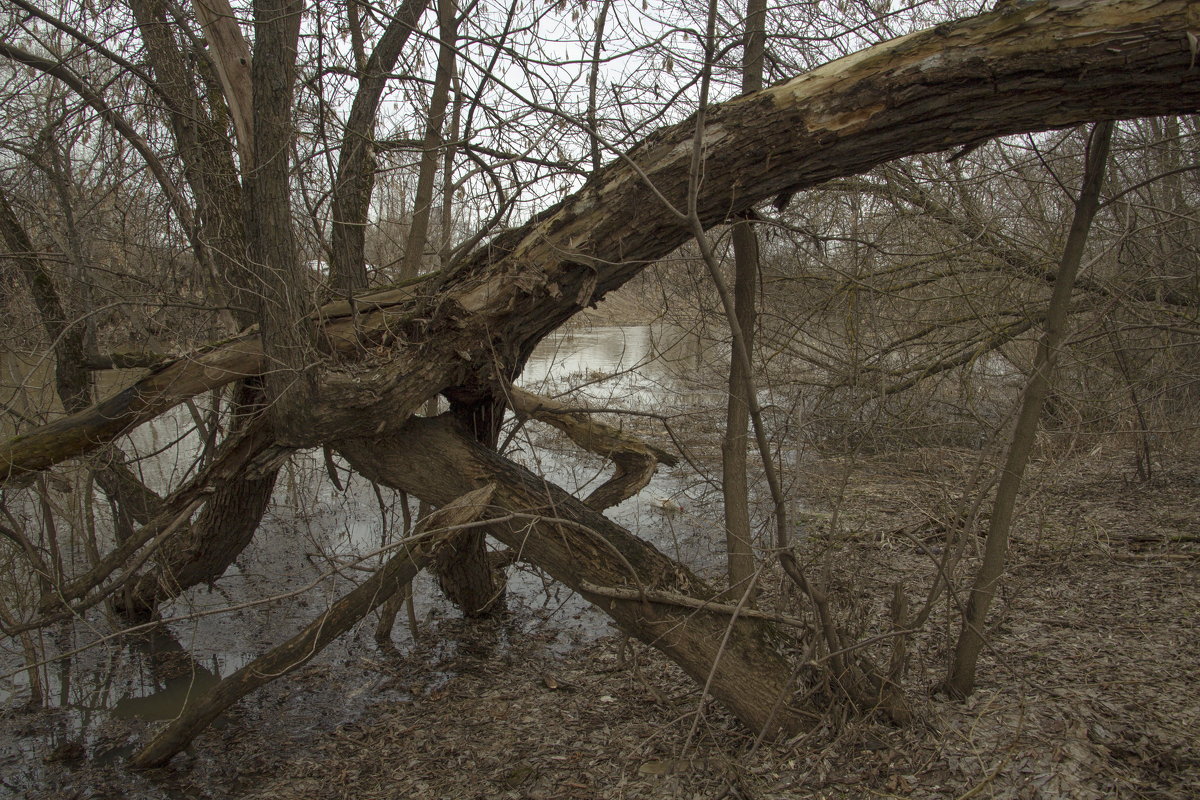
(1089, 688)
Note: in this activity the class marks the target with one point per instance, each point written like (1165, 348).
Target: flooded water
(101, 690)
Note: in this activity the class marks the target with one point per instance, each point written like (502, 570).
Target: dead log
(341, 616)
(436, 461)
(1041, 66)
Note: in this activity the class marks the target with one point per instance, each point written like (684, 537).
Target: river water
(100, 691)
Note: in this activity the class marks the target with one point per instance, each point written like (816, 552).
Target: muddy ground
(1089, 688)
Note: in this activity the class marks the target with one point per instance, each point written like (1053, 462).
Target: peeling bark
(231, 58)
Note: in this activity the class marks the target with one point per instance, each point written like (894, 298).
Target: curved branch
(635, 461)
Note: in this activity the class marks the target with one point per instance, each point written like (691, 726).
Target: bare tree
(351, 374)
(961, 681)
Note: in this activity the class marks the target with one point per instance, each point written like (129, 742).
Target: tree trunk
(418, 231)
(208, 161)
(72, 378)
(200, 553)
(436, 460)
(282, 305)
(464, 572)
(356, 164)
(961, 680)
(734, 489)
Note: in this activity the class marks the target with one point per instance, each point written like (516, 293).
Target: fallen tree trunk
(1037, 67)
(736, 657)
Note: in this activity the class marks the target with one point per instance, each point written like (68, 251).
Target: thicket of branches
(900, 307)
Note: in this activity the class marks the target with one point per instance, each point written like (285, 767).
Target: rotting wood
(231, 56)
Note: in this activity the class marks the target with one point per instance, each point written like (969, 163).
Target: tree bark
(206, 155)
(464, 572)
(231, 58)
(356, 164)
(200, 553)
(282, 312)
(72, 375)
(734, 489)
(72, 379)
(418, 231)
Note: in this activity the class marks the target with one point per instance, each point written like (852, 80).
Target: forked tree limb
(1037, 67)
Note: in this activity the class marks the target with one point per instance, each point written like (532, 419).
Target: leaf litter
(1089, 687)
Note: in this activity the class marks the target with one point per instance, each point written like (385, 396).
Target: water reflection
(313, 529)
(636, 367)
(171, 678)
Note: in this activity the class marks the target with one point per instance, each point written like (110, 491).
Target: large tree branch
(1033, 68)
(206, 156)
(231, 58)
